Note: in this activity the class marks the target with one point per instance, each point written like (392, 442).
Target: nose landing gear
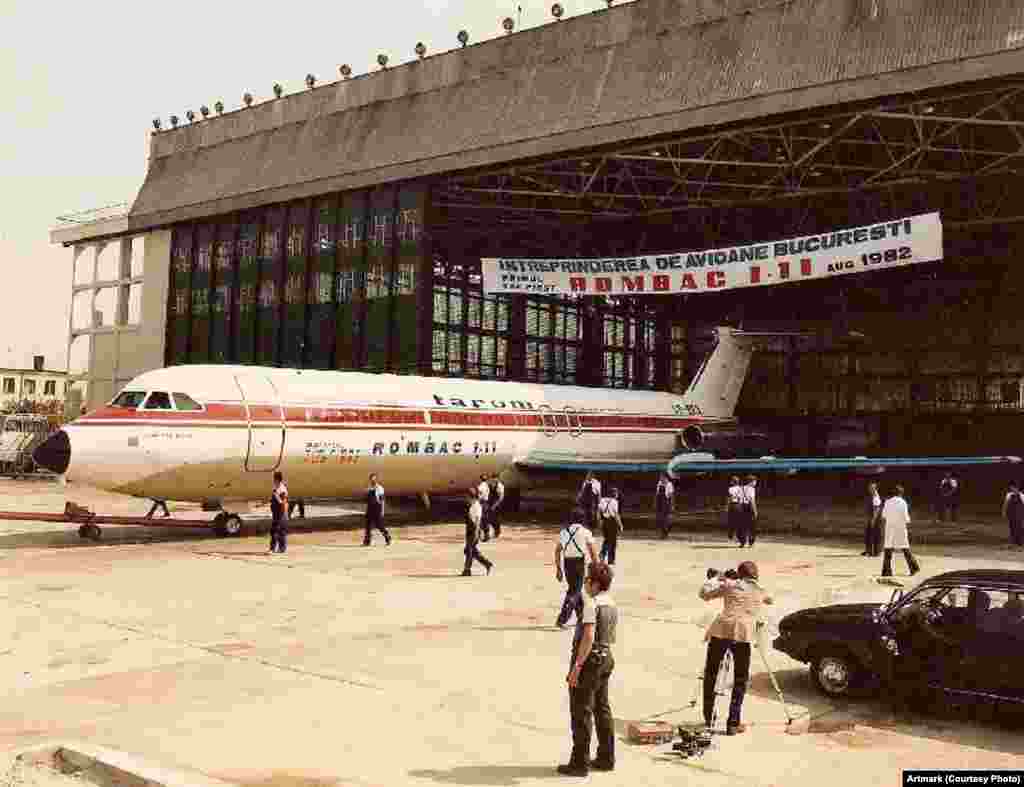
(91, 532)
(225, 524)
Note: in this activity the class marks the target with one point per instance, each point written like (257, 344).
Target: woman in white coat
(895, 518)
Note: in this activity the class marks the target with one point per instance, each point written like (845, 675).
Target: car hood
(835, 613)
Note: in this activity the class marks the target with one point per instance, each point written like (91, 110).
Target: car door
(993, 645)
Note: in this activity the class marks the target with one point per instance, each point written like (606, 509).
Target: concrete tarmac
(341, 665)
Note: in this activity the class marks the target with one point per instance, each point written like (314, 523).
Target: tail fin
(716, 387)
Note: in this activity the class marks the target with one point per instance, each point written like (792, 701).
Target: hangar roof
(615, 77)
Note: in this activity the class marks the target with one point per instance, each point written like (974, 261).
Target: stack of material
(649, 732)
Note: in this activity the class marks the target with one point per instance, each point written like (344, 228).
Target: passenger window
(129, 399)
(158, 400)
(186, 402)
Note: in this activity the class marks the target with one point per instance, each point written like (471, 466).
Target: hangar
(343, 226)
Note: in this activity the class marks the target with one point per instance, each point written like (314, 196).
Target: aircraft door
(266, 423)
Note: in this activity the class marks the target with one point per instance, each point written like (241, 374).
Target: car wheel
(835, 673)
(233, 525)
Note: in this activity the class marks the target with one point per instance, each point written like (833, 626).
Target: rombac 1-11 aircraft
(215, 434)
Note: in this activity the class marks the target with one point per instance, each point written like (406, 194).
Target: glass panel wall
(409, 234)
(199, 342)
(380, 279)
(293, 327)
(554, 338)
(248, 287)
(271, 267)
(350, 288)
(179, 296)
(321, 283)
(222, 305)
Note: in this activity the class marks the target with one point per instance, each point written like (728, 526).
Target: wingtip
(1014, 460)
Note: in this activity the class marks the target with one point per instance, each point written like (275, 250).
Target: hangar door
(266, 422)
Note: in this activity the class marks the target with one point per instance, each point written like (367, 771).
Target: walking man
(158, 503)
(949, 497)
(1013, 510)
(733, 630)
(590, 668)
(873, 528)
(474, 516)
(664, 499)
(375, 512)
(496, 498)
(575, 544)
(279, 516)
(590, 494)
(611, 525)
(895, 518)
(733, 503)
(746, 517)
(483, 494)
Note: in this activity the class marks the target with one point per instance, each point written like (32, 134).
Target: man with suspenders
(575, 544)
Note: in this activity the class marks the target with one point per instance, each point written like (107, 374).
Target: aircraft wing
(563, 461)
(706, 463)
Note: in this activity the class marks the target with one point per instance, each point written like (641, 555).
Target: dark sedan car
(961, 634)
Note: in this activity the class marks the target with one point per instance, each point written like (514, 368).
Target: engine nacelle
(725, 441)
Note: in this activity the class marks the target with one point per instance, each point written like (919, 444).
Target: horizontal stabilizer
(701, 463)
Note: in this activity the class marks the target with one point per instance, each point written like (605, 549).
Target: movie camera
(692, 743)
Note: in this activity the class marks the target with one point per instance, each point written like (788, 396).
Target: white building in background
(35, 385)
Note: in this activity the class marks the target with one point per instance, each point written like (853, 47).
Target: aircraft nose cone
(54, 453)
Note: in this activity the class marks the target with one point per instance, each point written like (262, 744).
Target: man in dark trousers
(894, 519)
(1013, 510)
(873, 527)
(590, 668)
(588, 497)
(611, 525)
(949, 497)
(746, 516)
(279, 516)
(157, 503)
(375, 512)
(474, 516)
(664, 497)
(496, 498)
(575, 544)
(483, 496)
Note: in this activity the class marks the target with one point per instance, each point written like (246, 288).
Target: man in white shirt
(873, 530)
(664, 499)
(375, 512)
(895, 518)
(733, 501)
(483, 494)
(474, 516)
(497, 497)
(746, 518)
(575, 544)
(588, 497)
(279, 515)
(611, 525)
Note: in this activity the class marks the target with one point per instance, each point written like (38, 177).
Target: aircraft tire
(83, 531)
(93, 532)
(232, 525)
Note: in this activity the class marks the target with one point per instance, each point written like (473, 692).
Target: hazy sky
(85, 81)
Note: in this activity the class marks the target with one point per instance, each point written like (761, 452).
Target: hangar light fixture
(219, 107)
(382, 60)
(310, 81)
(174, 120)
(463, 37)
(278, 90)
(346, 70)
(156, 123)
(557, 11)
(421, 49)
(509, 24)
(204, 111)
(247, 98)
(190, 115)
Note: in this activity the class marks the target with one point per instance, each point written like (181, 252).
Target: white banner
(874, 247)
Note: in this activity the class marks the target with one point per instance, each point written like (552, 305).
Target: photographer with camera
(733, 631)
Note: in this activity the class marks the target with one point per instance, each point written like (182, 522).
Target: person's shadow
(499, 775)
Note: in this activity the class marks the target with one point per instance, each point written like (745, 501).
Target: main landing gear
(225, 524)
(91, 532)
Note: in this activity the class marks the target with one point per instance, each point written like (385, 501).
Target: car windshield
(130, 399)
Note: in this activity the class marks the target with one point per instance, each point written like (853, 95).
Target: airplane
(214, 434)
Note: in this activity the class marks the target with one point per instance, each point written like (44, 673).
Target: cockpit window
(186, 402)
(132, 399)
(159, 400)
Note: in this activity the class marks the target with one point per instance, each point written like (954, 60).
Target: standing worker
(279, 515)
(588, 497)
(496, 498)
(375, 512)
(733, 630)
(873, 528)
(733, 506)
(664, 500)
(949, 498)
(1013, 510)
(158, 503)
(611, 525)
(746, 517)
(483, 494)
(895, 518)
(575, 543)
(474, 516)
(590, 668)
